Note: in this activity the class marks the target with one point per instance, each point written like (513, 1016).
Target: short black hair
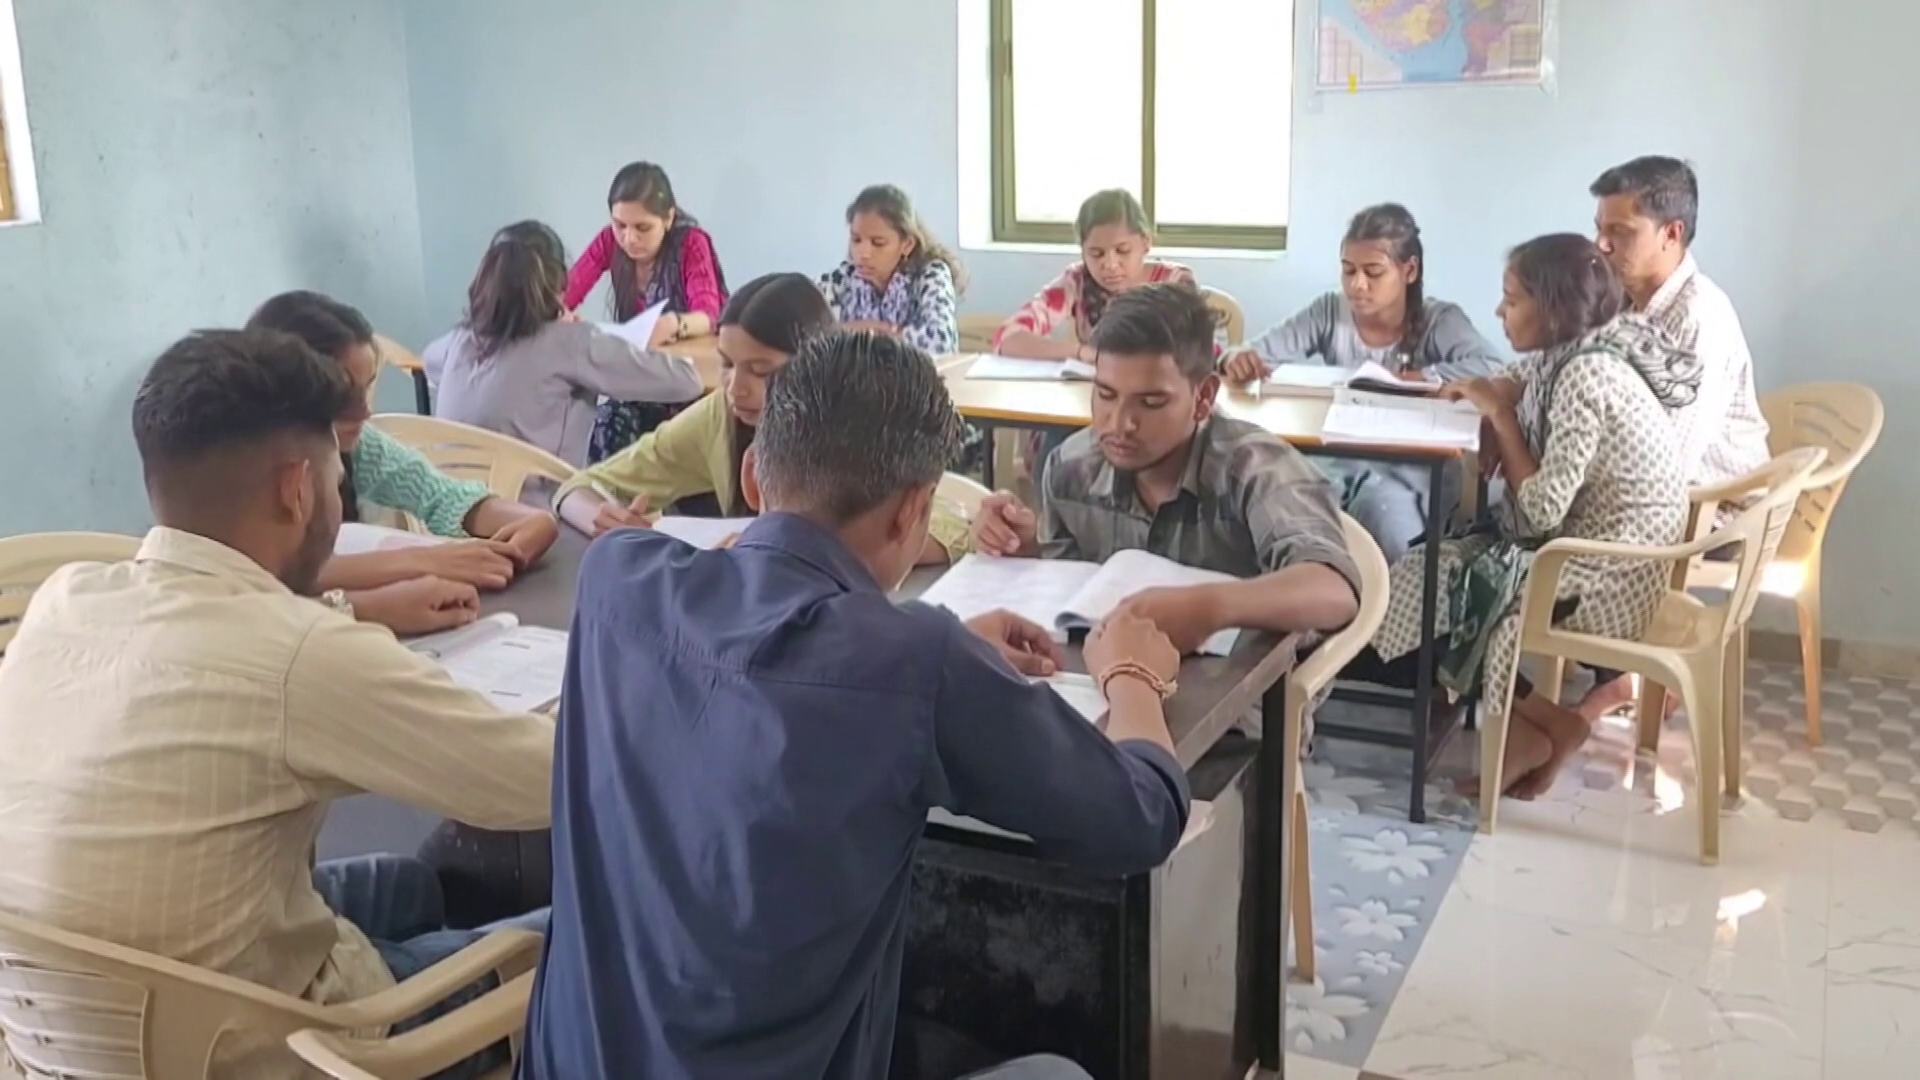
(852, 420)
(1664, 188)
(779, 310)
(1165, 319)
(328, 326)
(220, 389)
(1570, 282)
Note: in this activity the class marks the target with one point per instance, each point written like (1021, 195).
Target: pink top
(699, 272)
(1061, 302)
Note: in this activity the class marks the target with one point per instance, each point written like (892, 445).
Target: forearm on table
(1306, 596)
(367, 570)
(494, 513)
(1027, 345)
(579, 507)
(1135, 711)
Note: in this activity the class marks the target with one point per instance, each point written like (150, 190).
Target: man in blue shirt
(751, 739)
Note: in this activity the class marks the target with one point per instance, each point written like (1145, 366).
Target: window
(1187, 104)
(19, 198)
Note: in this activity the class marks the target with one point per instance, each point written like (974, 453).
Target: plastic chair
(1303, 685)
(503, 463)
(976, 332)
(961, 494)
(1226, 312)
(27, 561)
(1690, 645)
(427, 1049)
(1845, 420)
(75, 1007)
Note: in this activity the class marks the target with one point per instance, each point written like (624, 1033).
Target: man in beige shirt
(173, 729)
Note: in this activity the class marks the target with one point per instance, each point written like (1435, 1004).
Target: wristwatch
(337, 600)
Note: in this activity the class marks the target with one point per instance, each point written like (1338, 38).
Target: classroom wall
(770, 114)
(194, 157)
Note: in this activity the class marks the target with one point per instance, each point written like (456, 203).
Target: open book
(1006, 367)
(518, 667)
(1323, 380)
(1065, 594)
(359, 539)
(639, 329)
(1357, 417)
(706, 533)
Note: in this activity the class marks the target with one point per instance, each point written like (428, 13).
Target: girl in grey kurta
(518, 365)
(1381, 315)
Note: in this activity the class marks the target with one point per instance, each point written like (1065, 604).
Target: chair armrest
(1543, 578)
(430, 1048)
(498, 950)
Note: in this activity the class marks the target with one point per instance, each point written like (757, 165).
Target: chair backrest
(1226, 313)
(1844, 419)
(1756, 531)
(72, 1007)
(1318, 669)
(466, 452)
(977, 330)
(26, 561)
(961, 494)
(426, 1050)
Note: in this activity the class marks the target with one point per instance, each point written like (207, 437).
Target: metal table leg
(1273, 804)
(1423, 692)
(422, 393)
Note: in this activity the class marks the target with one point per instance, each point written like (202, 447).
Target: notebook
(358, 539)
(1358, 417)
(1322, 379)
(1006, 367)
(518, 667)
(1065, 594)
(704, 533)
(639, 329)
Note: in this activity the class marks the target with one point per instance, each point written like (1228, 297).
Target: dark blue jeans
(396, 901)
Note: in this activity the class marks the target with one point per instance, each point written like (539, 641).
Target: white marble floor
(1584, 941)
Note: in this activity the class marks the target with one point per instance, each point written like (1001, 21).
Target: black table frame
(1424, 737)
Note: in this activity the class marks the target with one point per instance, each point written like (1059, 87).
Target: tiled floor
(1585, 940)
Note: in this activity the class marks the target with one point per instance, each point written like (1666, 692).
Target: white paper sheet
(1080, 692)
(639, 329)
(704, 533)
(517, 667)
(1133, 571)
(1359, 417)
(1035, 589)
(1006, 367)
(1322, 379)
(356, 538)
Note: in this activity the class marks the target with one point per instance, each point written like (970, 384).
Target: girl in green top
(500, 537)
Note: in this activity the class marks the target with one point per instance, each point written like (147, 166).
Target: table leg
(1272, 803)
(1423, 692)
(993, 451)
(422, 394)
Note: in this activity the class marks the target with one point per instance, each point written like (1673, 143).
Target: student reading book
(1158, 470)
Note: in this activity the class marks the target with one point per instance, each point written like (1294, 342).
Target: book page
(1293, 378)
(1133, 571)
(1006, 367)
(1372, 376)
(519, 668)
(1079, 691)
(703, 533)
(1035, 589)
(356, 538)
(1358, 417)
(639, 329)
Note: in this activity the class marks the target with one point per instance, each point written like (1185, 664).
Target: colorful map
(1376, 43)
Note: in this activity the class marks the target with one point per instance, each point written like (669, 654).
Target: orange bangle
(1164, 687)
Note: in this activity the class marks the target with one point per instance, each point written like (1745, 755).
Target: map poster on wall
(1375, 44)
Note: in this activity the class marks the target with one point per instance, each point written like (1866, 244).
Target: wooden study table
(703, 351)
(1170, 975)
(1066, 405)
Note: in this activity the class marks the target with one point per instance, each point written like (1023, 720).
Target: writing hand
(1026, 645)
(1122, 637)
(609, 516)
(1243, 366)
(1186, 615)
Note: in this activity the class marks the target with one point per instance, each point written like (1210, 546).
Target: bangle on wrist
(1136, 670)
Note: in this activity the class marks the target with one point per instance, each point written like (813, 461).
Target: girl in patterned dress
(899, 280)
(655, 251)
(1580, 430)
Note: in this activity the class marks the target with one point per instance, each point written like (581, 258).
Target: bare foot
(1528, 748)
(1608, 697)
(1565, 731)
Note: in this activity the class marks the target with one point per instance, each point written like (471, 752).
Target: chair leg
(1555, 679)
(1808, 603)
(1304, 965)
(1651, 714)
(1493, 755)
(1701, 693)
(1733, 708)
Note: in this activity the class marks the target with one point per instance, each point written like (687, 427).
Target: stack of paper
(1064, 594)
(1382, 419)
(519, 667)
(1322, 379)
(704, 533)
(1006, 367)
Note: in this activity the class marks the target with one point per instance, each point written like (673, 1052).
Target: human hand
(485, 564)
(529, 536)
(419, 605)
(1243, 366)
(1122, 637)
(1490, 396)
(1004, 526)
(1188, 615)
(665, 330)
(1026, 645)
(1490, 463)
(872, 326)
(569, 315)
(610, 515)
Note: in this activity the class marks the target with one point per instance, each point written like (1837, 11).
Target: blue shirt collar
(811, 544)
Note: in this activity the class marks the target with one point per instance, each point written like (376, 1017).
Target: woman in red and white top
(656, 251)
(1115, 237)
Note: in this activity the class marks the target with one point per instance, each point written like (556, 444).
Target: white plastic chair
(1227, 313)
(455, 1037)
(1305, 683)
(77, 1008)
(1690, 645)
(466, 452)
(27, 561)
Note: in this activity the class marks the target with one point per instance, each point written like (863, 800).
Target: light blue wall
(194, 157)
(771, 113)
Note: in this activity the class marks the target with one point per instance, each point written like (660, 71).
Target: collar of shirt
(811, 544)
(204, 555)
(1108, 488)
(1669, 290)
